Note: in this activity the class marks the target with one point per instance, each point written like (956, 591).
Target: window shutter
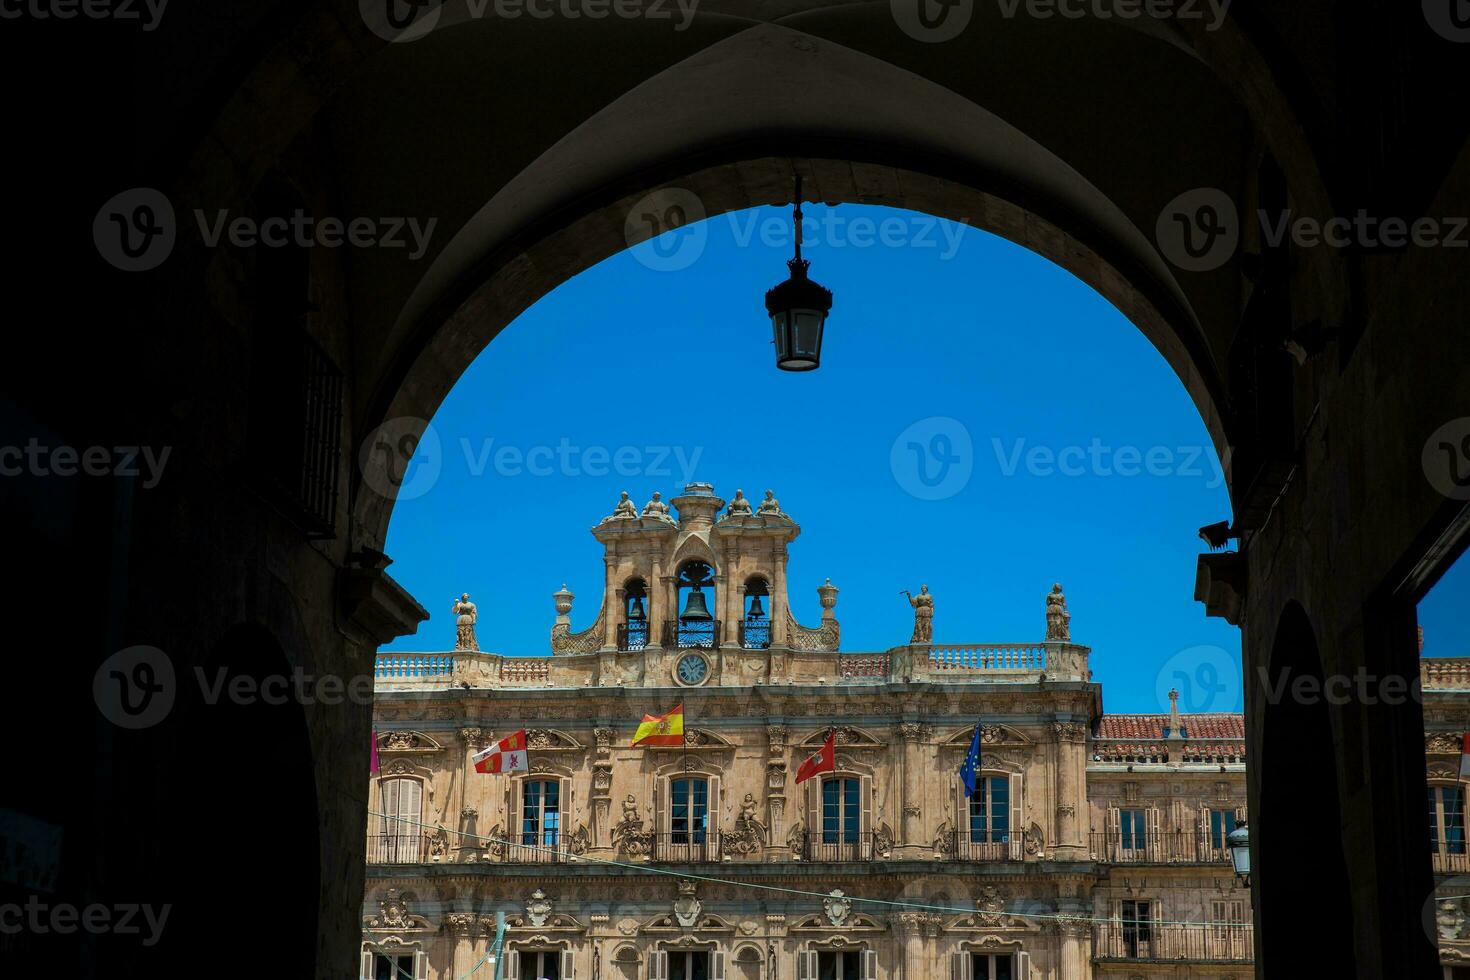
(564, 817)
(1113, 841)
(367, 965)
(420, 965)
(1151, 844)
(962, 807)
(568, 965)
(806, 965)
(712, 847)
(661, 819)
(717, 965)
(961, 966)
(870, 965)
(658, 965)
(512, 969)
(1017, 853)
(1239, 815)
(1023, 966)
(865, 819)
(813, 818)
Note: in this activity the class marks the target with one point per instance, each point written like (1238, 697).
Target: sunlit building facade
(1094, 845)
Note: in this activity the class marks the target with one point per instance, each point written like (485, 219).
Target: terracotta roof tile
(1152, 726)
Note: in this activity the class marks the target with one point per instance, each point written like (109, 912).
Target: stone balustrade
(1445, 673)
(735, 667)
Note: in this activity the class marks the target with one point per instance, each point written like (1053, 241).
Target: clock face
(692, 669)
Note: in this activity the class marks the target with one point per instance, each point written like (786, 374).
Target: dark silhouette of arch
(250, 791)
(1292, 875)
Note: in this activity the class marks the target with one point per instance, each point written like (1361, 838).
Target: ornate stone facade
(1086, 821)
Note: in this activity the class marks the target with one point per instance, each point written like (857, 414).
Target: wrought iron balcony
(755, 634)
(958, 846)
(633, 635)
(692, 634)
(837, 846)
(1449, 854)
(685, 847)
(1149, 942)
(398, 849)
(1159, 847)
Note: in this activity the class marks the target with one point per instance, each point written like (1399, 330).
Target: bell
(694, 607)
(635, 612)
(756, 610)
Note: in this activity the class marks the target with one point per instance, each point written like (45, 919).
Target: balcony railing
(1449, 856)
(542, 848)
(692, 634)
(1159, 847)
(1150, 942)
(987, 656)
(838, 847)
(396, 665)
(960, 847)
(398, 849)
(633, 636)
(683, 847)
(755, 634)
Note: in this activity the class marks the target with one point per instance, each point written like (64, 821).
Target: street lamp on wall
(1239, 842)
(798, 309)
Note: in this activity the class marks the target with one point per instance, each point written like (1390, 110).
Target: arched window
(539, 964)
(839, 826)
(696, 626)
(633, 630)
(755, 624)
(539, 803)
(400, 837)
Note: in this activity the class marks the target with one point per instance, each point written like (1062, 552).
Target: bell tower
(703, 575)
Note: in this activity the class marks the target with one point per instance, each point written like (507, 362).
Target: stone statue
(657, 508)
(625, 508)
(630, 813)
(464, 624)
(740, 506)
(771, 506)
(1058, 620)
(748, 809)
(923, 604)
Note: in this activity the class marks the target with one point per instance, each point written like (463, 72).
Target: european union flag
(971, 764)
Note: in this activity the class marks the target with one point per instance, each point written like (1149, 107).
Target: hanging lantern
(1239, 842)
(798, 309)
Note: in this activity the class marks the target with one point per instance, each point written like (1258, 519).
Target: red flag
(824, 760)
(506, 755)
(373, 762)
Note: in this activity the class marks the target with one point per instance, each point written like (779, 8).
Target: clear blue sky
(660, 357)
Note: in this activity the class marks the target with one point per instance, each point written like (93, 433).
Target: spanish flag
(661, 729)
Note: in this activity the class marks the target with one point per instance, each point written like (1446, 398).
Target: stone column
(776, 792)
(462, 928)
(468, 844)
(779, 610)
(602, 789)
(1068, 841)
(912, 829)
(911, 927)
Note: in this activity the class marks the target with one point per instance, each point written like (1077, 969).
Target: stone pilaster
(1071, 788)
(911, 831)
